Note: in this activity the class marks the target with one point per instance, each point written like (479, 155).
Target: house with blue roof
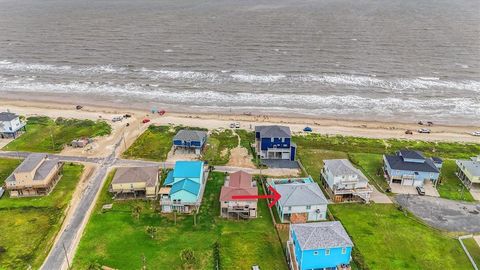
(411, 168)
(319, 245)
(183, 188)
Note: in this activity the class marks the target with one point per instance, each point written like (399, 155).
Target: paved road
(68, 239)
(455, 216)
(60, 157)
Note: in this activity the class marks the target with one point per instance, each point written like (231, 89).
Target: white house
(468, 170)
(10, 125)
(345, 182)
(301, 200)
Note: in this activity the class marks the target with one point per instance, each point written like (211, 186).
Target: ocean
(390, 60)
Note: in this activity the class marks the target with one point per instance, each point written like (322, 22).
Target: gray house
(301, 200)
(344, 182)
(190, 140)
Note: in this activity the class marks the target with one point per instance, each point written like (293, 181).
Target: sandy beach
(369, 129)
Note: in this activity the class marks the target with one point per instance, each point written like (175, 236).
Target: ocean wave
(461, 108)
(421, 83)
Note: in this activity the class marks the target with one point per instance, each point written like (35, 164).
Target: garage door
(408, 182)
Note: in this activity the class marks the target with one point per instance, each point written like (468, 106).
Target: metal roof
(187, 185)
(344, 167)
(321, 235)
(7, 116)
(188, 169)
(472, 166)
(190, 135)
(296, 194)
(274, 131)
(148, 174)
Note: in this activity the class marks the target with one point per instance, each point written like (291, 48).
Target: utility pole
(66, 256)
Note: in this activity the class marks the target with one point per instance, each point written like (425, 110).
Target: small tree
(136, 210)
(188, 257)
(152, 231)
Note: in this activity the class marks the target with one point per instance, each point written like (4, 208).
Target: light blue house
(274, 142)
(190, 140)
(183, 188)
(411, 168)
(319, 245)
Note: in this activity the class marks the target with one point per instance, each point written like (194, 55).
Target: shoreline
(357, 128)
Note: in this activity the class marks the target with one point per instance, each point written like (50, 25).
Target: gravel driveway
(443, 214)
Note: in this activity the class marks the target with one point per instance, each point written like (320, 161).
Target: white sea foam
(389, 107)
(426, 83)
(253, 78)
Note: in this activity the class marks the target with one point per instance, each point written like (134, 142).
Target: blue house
(10, 125)
(190, 140)
(274, 142)
(319, 245)
(183, 188)
(411, 168)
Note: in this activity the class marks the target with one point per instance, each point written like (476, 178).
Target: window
(309, 207)
(315, 253)
(327, 252)
(289, 208)
(344, 250)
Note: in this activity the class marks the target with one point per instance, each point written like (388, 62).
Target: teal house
(319, 245)
(183, 188)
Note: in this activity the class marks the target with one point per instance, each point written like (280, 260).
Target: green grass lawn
(381, 146)
(29, 225)
(450, 186)
(385, 238)
(371, 165)
(46, 135)
(312, 159)
(117, 239)
(473, 249)
(6, 168)
(153, 144)
(219, 144)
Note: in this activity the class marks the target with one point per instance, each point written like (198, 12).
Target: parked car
(127, 115)
(424, 130)
(409, 131)
(117, 119)
(420, 123)
(78, 107)
(476, 133)
(307, 129)
(146, 120)
(429, 123)
(232, 125)
(237, 125)
(255, 267)
(421, 190)
(161, 112)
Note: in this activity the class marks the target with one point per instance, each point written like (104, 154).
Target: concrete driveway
(430, 190)
(455, 216)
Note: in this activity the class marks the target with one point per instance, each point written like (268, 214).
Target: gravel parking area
(443, 214)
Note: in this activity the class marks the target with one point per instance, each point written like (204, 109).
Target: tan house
(238, 184)
(35, 176)
(135, 182)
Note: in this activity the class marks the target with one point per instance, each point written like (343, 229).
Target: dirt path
(239, 156)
